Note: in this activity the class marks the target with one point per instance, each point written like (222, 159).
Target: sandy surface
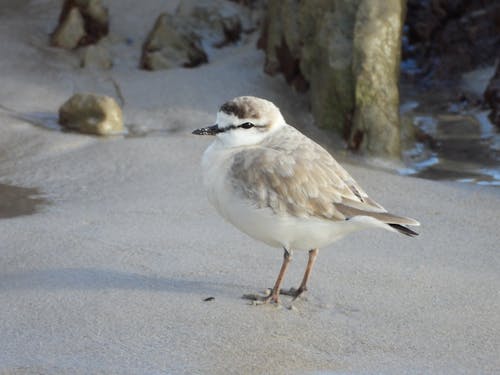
(109, 275)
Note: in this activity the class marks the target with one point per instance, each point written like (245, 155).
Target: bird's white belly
(294, 233)
(278, 231)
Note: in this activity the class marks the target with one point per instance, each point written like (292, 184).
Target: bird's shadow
(100, 279)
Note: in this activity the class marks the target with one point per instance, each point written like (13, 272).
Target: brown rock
(169, 45)
(92, 114)
(219, 22)
(70, 31)
(96, 56)
(95, 19)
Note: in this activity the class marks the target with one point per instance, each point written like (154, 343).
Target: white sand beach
(110, 273)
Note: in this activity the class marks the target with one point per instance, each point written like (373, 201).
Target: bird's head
(244, 121)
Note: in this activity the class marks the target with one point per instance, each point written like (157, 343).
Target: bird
(280, 187)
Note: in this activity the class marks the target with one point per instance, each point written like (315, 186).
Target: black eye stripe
(246, 125)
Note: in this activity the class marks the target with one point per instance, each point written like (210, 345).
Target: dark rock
(492, 97)
(247, 3)
(449, 37)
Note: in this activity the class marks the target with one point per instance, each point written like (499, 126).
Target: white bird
(278, 186)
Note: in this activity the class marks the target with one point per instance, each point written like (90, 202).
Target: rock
(348, 53)
(96, 56)
(176, 40)
(70, 31)
(89, 15)
(92, 114)
(247, 3)
(449, 37)
(220, 22)
(376, 59)
(96, 18)
(170, 44)
(492, 97)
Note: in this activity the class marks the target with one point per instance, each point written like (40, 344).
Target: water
(450, 139)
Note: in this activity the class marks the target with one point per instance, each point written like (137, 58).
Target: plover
(278, 186)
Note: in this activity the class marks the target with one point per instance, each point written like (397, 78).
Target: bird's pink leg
(303, 285)
(275, 293)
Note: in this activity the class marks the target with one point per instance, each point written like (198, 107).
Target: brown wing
(293, 175)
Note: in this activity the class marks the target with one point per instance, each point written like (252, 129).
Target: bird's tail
(404, 230)
(394, 222)
(400, 223)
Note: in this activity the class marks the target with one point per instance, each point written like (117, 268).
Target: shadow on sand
(97, 279)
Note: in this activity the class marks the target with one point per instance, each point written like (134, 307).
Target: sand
(108, 274)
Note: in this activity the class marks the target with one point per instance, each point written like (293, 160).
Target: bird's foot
(260, 299)
(292, 292)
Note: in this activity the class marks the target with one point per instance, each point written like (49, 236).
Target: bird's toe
(268, 297)
(293, 292)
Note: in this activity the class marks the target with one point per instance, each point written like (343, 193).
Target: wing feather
(295, 176)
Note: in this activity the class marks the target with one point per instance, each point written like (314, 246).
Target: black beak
(210, 130)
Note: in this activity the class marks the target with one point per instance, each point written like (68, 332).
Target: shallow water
(452, 140)
(19, 201)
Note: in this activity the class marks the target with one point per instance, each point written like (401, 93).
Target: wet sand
(19, 201)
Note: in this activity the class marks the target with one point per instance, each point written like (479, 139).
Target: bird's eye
(246, 125)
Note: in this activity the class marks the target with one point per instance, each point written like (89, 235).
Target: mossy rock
(348, 52)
